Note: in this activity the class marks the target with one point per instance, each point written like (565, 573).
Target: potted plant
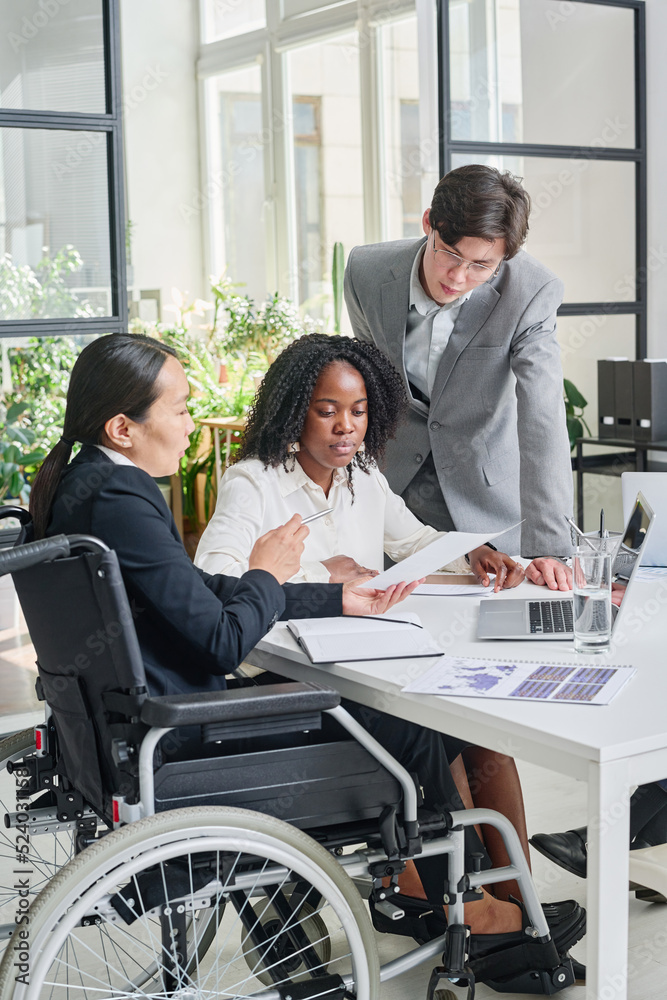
(575, 405)
(18, 457)
(16, 463)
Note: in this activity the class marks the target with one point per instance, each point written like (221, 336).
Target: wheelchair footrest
(544, 981)
(330, 986)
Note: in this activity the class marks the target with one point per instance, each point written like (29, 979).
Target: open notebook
(332, 640)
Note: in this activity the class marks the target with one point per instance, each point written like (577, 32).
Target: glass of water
(591, 572)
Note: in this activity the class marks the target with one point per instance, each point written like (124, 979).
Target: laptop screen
(631, 549)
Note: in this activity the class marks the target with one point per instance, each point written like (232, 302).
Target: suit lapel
(474, 313)
(394, 298)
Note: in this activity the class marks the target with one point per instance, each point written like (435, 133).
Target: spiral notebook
(523, 680)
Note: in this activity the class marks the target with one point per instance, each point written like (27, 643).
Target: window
(308, 186)
(401, 127)
(578, 143)
(333, 88)
(62, 266)
(328, 179)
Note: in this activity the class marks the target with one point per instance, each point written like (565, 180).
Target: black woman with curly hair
(317, 430)
(314, 439)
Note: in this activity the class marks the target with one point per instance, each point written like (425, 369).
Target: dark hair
(281, 404)
(481, 202)
(114, 374)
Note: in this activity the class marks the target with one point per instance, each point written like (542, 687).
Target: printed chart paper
(467, 677)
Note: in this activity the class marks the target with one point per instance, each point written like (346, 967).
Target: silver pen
(319, 513)
(580, 532)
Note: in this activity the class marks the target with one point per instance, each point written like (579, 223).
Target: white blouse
(252, 500)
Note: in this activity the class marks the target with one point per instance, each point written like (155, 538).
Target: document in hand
(439, 553)
(331, 640)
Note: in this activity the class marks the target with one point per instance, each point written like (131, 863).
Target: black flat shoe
(424, 922)
(567, 850)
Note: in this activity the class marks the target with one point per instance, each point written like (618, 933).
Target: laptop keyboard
(550, 616)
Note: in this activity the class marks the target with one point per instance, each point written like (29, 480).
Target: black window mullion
(111, 123)
(641, 187)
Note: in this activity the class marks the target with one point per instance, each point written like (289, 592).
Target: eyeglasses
(474, 271)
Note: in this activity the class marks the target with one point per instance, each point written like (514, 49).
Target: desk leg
(607, 888)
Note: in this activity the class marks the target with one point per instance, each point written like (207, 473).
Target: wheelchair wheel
(49, 849)
(168, 907)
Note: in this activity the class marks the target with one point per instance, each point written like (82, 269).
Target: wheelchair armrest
(241, 703)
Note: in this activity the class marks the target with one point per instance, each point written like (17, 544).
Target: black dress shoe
(567, 850)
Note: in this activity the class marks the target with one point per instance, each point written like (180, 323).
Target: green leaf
(33, 457)
(14, 411)
(573, 395)
(574, 430)
(15, 482)
(20, 434)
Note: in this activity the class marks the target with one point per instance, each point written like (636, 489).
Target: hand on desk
(364, 601)
(485, 560)
(343, 569)
(551, 573)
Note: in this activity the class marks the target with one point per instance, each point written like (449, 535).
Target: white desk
(611, 747)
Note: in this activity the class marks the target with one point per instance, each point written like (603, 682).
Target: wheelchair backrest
(89, 662)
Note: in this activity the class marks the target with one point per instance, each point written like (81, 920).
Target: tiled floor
(553, 802)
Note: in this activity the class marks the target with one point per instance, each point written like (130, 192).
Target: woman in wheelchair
(127, 407)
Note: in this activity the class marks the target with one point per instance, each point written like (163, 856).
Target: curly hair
(279, 409)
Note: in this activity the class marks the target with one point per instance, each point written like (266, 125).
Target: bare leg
(487, 915)
(494, 784)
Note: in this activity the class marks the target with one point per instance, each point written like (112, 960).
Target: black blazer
(192, 627)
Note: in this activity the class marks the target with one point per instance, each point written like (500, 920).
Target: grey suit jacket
(496, 420)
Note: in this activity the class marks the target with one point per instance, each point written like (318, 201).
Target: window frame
(269, 47)
(637, 155)
(111, 123)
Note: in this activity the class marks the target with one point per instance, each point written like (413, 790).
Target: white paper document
(345, 639)
(432, 557)
(468, 677)
(453, 590)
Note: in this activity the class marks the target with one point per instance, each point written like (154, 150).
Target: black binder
(606, 404)
(650, 396)
(623, 399)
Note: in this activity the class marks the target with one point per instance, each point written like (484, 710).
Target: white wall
(160, 41)
(656, 23)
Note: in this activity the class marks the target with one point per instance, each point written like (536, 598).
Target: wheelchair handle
(19, 513)
(45, 550)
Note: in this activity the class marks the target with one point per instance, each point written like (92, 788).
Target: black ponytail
(115, 374)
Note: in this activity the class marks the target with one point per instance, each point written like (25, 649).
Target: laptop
(653, 485)
(553, 619)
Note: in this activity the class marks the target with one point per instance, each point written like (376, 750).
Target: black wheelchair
(223, 845)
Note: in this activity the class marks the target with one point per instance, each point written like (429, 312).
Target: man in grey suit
(469, 318)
